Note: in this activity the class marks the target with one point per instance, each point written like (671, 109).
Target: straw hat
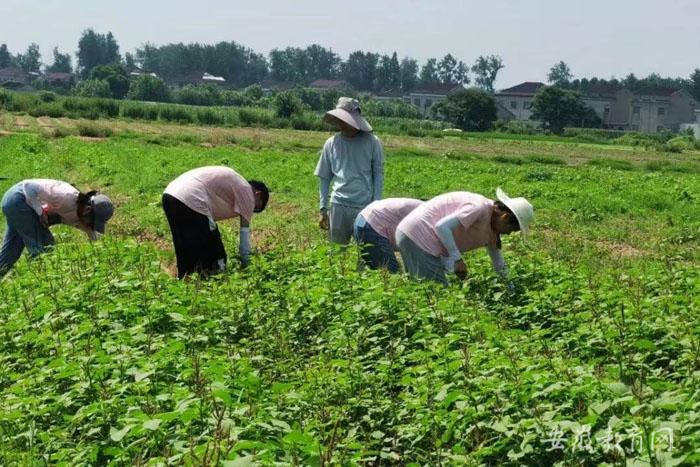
(522, 209)
(348, 110)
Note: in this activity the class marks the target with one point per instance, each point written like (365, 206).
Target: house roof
(528, 88)
(13, 73)
(329, 84)
(396, 93)
(602, 90)
(277, 85)
(59, 76)
(437, 88)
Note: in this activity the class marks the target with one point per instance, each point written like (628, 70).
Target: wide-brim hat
(102, 211)
(521, 208)
(348, 110)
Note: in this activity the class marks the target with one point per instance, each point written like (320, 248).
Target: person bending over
(195, 201)
(375, 230)
(32, 206)
(433, 237)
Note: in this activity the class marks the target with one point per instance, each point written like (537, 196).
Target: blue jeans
(23, 230)
(376, 251)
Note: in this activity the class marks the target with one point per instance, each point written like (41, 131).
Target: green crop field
(593, 358)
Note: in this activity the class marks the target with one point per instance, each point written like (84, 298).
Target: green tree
(61, 62)
(6, 58)
(429, 72)
(388, 73)
(254, 92)
(115, 75)
(96, 49)
(93, 88)
(694, 84)
(287, 104)
(470, 109)
(446, 69)
(207, 94)
(486, 71)
(560, 75)
(130, 62)
(461, 73)
(149, 88)
(360, 70)
(409, 73)
(557, 108)
(31, 59)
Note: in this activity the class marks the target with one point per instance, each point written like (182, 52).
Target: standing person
(195, 201)
(32, 206)
(353, 160)
(375, 230)
(433, 237)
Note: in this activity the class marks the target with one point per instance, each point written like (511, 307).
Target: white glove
(448, 262)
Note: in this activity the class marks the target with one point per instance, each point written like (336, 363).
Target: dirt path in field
(311, 141)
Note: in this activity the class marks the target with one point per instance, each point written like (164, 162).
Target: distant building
(390, 95)
(136, 73)
(648, 110)
(695, 127)
(198, 77)
(269, 86)
(518, 99)
(60, 78)
(14, 78)
(425, 96)
(328, 84)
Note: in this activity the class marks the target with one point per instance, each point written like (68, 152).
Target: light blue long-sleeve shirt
(355, 166)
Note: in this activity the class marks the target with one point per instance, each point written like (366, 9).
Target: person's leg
(418, 263)
(342, 221)
(213, 256)
(376, 250)
(190, 235)
(25, 223)
(11, 250)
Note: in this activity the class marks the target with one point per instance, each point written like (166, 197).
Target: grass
(301, 359)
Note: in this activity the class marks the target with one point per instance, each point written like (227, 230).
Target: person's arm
(244, 245)
(324, 185)
(499, 264)
(31, 196)
(445, 230)
(378, 170)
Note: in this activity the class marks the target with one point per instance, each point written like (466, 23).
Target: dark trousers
(197, 247)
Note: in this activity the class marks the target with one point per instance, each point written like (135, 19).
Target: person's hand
(460, 269)
(323, 222)
(44, 219)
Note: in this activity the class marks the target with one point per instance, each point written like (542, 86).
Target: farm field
(593, 358)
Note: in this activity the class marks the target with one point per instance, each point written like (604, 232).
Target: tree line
(242, 66)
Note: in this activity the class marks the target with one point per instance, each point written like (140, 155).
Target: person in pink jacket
(433, 237)
(32, 206)
(195, 201)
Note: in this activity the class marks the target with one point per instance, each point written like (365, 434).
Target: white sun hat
(522, 209)
(348, 110)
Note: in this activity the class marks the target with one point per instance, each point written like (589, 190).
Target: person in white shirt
(32, 206)
(195, 201)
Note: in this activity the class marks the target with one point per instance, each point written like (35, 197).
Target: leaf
(152, 424)
(645, 344)
(117, 435)
(242, 461)
(600, 407)
(618, 388)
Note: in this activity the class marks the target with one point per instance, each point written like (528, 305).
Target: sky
(601, 38)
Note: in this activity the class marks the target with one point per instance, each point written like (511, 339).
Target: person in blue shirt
(353, 162)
